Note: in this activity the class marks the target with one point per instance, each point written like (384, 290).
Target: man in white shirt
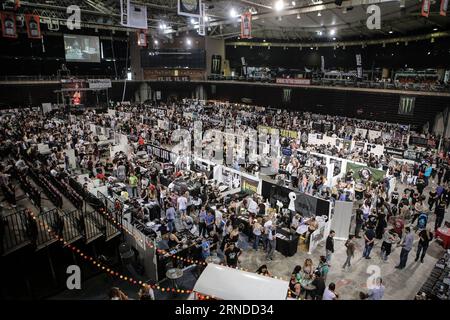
(269, 230)
(182, 204)
(329, 293)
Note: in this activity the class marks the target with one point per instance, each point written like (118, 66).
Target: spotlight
(298, 15)
(233, 13)
(188, 42)
(279, 5)
(293, 3)
(319, 14)
(391, 31)
(332, 32)
(155, 42)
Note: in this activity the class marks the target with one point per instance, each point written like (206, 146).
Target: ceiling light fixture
(319, 14)
(279, 5)
(233, 12)
(332, 32)
(298, 15)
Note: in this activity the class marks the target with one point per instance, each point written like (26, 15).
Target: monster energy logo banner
(407, 105)
(216, 63)
(287, 95)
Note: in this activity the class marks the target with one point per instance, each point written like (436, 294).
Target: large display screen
(81, 48)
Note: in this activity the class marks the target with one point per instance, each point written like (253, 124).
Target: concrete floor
(400, 284)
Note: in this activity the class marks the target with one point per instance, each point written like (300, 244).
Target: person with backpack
(323, 267)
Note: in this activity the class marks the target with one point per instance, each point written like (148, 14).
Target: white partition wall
(341, 219)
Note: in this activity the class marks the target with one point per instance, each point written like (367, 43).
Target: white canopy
(230, 284)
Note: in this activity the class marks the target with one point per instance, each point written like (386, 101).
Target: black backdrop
(305, 204)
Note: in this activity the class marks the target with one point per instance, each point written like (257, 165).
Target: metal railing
(14, 231)
(73, 226)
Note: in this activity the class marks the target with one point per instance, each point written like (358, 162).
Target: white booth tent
(226, 283)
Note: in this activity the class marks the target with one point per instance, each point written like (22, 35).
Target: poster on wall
(141, 38)
(33, 26)
(190, 8)
(8, 20)
(426, 4)
(246, 25)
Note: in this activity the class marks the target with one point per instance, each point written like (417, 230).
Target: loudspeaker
(338, 2)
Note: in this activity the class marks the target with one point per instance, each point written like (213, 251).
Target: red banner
(426, 8)
(246, 26)
(33, 26)
(8, 24)
(141, 38)
(444, 6)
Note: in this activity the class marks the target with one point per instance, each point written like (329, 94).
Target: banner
(190, 8)
(141, 38)
(33, 26)
(133, 15)
(99, 83)
(426, 8)
(202, 21)
(444, 6)
(294, 82)
(249, 186)
(216, 64)
(246, 26)
(394, 151)
(359, 69)
(8, 24)
(364, 173)
(322, 63)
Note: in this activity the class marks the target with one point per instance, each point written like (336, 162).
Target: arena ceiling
(297, 20)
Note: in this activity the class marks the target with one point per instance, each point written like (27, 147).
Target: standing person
(133, 181)
(269, 231)
(209, 220)
(329, 246)
(359, 221)
(319, 284)
(439, 211)
(350, 245)
(182, 204)
(369, 239)
(170, 216)
(202, 222)
(432, 199)
(330, 293)
(257, 231)
(323, 267)
(232, 254)
(425, 236)
(407, 245)
(389, 238)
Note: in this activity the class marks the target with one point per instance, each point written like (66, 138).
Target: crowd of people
(382, 216)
